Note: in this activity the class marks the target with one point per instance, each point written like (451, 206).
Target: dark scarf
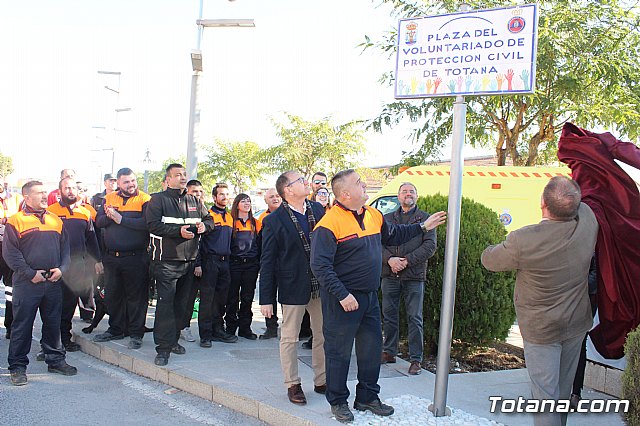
(315, 285)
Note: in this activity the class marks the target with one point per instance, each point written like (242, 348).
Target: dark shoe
(8, 336)
(247, 334)
(387, 358)
(161, 359)
(40, 356)
(574, 401)
(148, 330)
(63, 368)
(231, 330)
(71, 347)
(205, 343)
(296, 395)
(107, 336)
(376, 407)
(18, 377)
(269, 334)
(320, 389)
(304, 334)
(223, 336)
(308, 344)
(414, 368)
(342, 413)
(87, 330)
(178, 349)
(135, 343)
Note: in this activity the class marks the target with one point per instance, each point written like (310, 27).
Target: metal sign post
(439, 406)
(482, 52)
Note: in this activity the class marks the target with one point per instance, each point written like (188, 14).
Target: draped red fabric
(613, 196)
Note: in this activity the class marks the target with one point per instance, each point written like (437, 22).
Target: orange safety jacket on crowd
(35, 241)
(218, 241)
(245, 241)
(132, 233)
(80, 230)
(346, 249)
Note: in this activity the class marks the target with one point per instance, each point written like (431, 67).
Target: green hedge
(484, 308)
(631, 377)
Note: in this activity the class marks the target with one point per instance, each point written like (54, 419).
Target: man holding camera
(37, 249)
(175, 219)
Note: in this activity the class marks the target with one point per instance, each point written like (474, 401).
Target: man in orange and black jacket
(175, 220)
(126, 262)
(83, 246)
(215, 249)
(36, 248)
(346, 257)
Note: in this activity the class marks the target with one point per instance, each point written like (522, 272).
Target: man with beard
(403, 272)
(126, 262)
(215, 249)
(54, 196)
(36, 248)
(174, 219)
(82, 243)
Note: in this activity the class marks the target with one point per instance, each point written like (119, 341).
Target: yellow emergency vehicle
(512, 192)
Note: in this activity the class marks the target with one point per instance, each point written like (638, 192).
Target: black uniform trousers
(340, 329)
(244, 274)
(214, 287)
(173, 280)
(75, 283)
(192, 300)
(126, 291)
(27, 299)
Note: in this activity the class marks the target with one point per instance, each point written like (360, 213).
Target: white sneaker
(186, 335)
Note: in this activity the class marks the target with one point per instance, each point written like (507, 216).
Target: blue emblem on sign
(505, 218)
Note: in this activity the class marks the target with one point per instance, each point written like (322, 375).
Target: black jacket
(417, 251)
(166, 213)
(284, 265)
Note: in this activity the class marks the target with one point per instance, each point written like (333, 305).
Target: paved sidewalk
(246, 377)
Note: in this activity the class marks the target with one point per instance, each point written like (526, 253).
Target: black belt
(216, 257)
(118, 253)
(244, 259)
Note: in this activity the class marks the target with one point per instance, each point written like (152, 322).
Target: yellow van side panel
(512, 192)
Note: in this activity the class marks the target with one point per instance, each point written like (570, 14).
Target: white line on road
(150, 392)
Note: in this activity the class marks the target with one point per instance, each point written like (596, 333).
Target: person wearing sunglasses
(319, 180)
(285, 272)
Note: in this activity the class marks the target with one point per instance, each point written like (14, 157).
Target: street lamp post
(147, 163)
(196, 65)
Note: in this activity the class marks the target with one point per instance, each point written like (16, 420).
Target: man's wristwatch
(423, 225)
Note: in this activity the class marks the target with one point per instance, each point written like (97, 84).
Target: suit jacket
(552, 261)
(284, 265)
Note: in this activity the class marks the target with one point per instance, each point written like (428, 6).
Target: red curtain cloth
(613, 196)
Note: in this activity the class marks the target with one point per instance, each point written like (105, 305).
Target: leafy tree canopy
(241, 164)
(311, 146)
(6, 166)
(587, 73)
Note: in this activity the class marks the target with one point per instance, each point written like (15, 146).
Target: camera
(46, 274)
(193, 229)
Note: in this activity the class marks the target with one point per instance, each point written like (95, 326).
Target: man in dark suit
(285, 270)
(551, 294)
